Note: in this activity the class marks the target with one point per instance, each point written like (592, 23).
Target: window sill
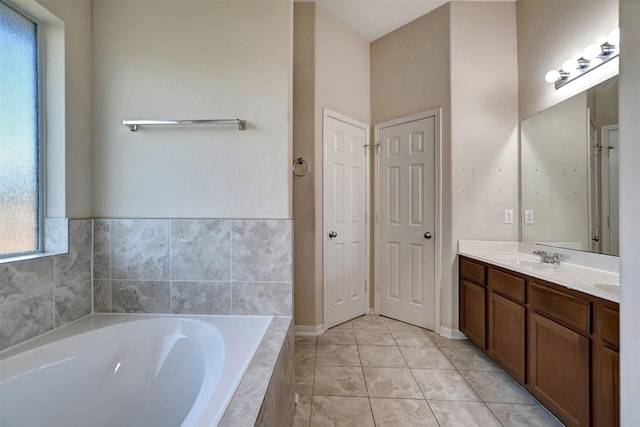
(56, 241)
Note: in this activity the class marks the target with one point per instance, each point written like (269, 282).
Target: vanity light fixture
(593, 56)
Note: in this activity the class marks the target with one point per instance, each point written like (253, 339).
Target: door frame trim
(605, 185)
(437, 113)
(326, 114)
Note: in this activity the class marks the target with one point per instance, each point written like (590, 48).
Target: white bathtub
(129, 370)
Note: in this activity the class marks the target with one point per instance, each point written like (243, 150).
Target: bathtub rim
(256, 376)
(96, 321)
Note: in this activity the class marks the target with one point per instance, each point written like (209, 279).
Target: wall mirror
(569, 172)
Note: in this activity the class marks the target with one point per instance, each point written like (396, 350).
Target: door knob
(427, 235)
(332, 234)
(596, 238)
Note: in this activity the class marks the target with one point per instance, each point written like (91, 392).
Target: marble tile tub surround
(582, 271)
(193, 266)
(266, 394)
(40, 294)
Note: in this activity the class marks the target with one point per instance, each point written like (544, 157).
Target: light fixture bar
(593, 57)
(592, 65)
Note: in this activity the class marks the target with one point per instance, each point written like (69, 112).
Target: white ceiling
(372, 19)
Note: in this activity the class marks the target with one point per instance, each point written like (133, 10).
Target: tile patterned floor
(374, 371)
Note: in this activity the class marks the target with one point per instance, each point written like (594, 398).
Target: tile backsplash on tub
(182, 266)
(40, 294)
(193, 266)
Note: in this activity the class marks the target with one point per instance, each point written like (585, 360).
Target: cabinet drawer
(572, 311)
(509, 285)
(472, 271)
(610, 323)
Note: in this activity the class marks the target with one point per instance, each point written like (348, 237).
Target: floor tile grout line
(495, 416)
(397, 346)
(475, 391)
(313, 382)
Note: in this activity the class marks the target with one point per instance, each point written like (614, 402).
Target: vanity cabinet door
(607, 400)
(473, 312)
(506, 335)
(559, 369)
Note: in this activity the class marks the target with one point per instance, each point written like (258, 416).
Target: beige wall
(410, 69)
(342, 70)
(552, 31)
(440, 60)
(606, 103)
(307, 269)
(192, 60)
(484, 139)
(629, 208)
(335, 77)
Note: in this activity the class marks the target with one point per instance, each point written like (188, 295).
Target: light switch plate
(528, 216)
(508, 216)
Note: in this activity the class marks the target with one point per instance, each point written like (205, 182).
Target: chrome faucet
(549, 259)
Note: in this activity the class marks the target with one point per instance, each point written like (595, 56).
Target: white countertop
(593, 274)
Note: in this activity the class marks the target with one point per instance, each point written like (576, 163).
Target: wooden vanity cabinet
(607, 367)
(559, 369)
(561, 345)
(507, 321)
(473, 318)
(559, 351)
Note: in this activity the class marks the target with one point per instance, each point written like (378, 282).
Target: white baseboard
(309, 330)
(452, 334)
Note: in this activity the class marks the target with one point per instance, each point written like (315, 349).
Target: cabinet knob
(427, 235)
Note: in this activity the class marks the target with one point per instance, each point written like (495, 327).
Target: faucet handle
(540, 252)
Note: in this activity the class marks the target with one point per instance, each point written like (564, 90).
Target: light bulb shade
(614, 37)
(552, 76)
(591, 52)
(570, 65)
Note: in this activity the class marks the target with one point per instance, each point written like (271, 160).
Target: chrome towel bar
(133, 124)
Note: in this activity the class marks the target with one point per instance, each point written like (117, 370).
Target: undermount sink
(612, 289)
(522, 260)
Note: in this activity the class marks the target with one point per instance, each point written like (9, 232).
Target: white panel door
(406, 221)
(344, 265)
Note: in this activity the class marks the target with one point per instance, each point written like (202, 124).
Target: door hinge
(378, 218)
(365, 217)
(365, 286)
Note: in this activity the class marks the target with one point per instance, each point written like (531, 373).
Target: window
(21, 147)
